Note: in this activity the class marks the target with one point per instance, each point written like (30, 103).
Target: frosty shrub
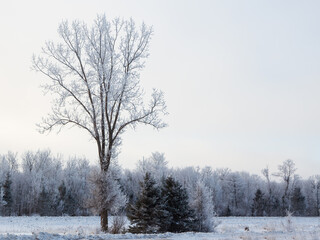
(118, 224)
(288, 224)
(106, 192)
(202, 204)
(155, 164)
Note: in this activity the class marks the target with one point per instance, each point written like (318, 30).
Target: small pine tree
(258, 205)
(70, 205)
(2, 202)
(228, 212)
(298, 202)
(67, 203)
(44, 203)
(7, 197)
(144, 215)
(275, 206)
(177, 215)
(61, 200)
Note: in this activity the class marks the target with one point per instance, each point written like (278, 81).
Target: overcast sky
(241, 81)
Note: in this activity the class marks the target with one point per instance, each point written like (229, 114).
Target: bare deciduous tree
(286, 173)
(95, 76)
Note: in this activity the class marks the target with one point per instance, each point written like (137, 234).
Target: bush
(118, 225)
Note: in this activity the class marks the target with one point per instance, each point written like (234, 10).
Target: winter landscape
(160, 120)
(50, 200)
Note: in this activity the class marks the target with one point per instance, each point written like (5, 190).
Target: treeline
(43, 184)
(40, 184)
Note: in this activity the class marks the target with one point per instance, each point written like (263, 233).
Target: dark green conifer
(44, 203)
(259, 204)
(7, 197)
(67, 202)
(176, 213)
(70, 205)
(144, 214)
(298, 205)
(228, 212)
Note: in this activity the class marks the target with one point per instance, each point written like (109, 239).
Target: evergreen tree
(228, 212)
(7, 197)
(298, 202)
(176, 213)
(70, 205)
(258, 205)
(44, 203)
(275, 206)
(67, 203)
(62, 194)
(145, 214)
(164, 215)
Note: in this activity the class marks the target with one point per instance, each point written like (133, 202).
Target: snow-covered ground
(230, 228)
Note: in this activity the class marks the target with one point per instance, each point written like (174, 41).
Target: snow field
(59, 225)
(272, 228)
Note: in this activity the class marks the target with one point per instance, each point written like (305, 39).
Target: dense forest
(38, 183)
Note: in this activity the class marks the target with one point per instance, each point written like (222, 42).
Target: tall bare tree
(286, 173)
(95, 78)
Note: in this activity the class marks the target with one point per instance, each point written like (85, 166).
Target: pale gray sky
(241, 81)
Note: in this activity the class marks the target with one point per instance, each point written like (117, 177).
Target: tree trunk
(104, 220)
(105, 162)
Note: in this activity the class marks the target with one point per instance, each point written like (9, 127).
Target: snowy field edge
(270, 228)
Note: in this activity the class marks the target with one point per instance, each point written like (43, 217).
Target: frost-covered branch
(94, 74)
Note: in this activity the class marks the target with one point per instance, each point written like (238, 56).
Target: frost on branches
(203, 205)
(155, 164)
(94, 74)
(106, 192)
